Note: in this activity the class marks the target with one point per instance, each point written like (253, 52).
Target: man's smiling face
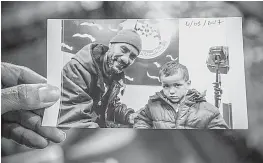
(120, 56)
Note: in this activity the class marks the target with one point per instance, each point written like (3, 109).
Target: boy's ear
(189, 82)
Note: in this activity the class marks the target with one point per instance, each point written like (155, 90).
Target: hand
(23, 99)
(131, 117)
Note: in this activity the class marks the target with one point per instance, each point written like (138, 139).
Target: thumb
(28, 97)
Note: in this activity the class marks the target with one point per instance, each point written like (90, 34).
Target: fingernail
(63, 135)
(49, 93)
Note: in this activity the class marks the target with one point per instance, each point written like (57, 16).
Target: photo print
(132, 73)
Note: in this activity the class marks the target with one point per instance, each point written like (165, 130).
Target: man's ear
(111, 45)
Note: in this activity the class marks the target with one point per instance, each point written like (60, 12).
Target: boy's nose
(172, 91)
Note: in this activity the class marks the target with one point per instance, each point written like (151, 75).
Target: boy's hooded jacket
(84, 98)
(193, 113)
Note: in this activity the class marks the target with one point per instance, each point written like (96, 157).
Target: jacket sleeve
(143, 120)
(121, 112)
(117, 111)
(76, 103)
(217, 122)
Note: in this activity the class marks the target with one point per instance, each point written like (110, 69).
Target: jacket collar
(192, 97)
(88, 55)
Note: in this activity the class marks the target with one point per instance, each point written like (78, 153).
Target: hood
(91, 58)
(89, 54)
(192, 97)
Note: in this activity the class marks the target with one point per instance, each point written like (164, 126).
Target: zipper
(103, 94)
(99, 103)
(177, 110)
(176, 113)
(112, 93)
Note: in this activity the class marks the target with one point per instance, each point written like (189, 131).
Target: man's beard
(113, 59)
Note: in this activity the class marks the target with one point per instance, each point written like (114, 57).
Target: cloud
(157, 64)
(171, 57)
(85, 36)
(152, 77)
(92, 25)
(129, 78)
(66, 46)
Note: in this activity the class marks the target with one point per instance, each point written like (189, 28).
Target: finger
(12, 75)
(31, 121)
(83, 125)
(23, 136)
(28, 97)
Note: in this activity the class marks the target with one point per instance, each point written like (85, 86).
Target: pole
(218, 83)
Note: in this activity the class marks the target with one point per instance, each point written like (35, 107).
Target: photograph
(146, 73)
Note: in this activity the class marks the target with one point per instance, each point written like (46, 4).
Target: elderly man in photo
(93, 78)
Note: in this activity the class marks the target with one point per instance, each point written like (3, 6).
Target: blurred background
(23, 42)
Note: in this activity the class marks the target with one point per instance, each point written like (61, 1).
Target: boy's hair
(173, 67)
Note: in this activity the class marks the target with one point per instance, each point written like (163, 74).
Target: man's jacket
(84, 98)
(193, 113)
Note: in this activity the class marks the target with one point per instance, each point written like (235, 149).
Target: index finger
(12, 75)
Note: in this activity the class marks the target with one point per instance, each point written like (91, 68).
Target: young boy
(177, 106)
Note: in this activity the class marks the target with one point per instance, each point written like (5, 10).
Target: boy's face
(175, 87)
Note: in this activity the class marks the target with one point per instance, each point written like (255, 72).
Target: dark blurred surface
(24, 43)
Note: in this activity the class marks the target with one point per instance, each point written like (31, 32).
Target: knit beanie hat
(128, 36)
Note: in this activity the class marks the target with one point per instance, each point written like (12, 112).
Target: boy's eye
(177, 85)
(165, 86)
